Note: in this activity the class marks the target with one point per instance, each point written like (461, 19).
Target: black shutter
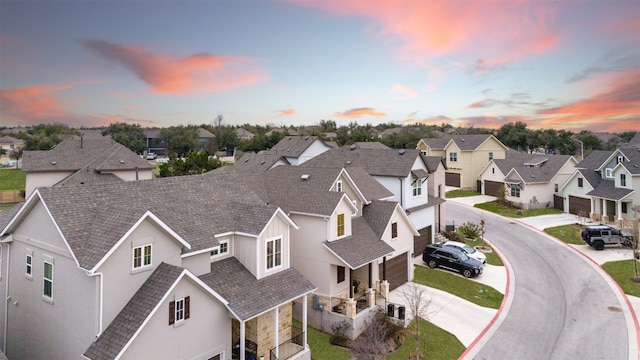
(186, 307)
(172, 312)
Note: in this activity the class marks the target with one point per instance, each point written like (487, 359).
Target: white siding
(35, 180)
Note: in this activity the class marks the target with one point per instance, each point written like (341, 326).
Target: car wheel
(598, 245)
(432, 264)
(467, 273)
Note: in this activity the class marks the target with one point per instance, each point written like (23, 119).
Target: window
(48, 280)
(580, 182)
(490, 156)
(274, 253)
(29, 270)
(555, 187)
(424, 152)
(179, 310)
(623, 180)
(620, 159)
(417, 187)
(339, 186)
(141, 256)
(515, 190)
(453, 156)
(221, 249)
(624, 207)
(355, 204)
(394, 230)
(440, 190)
(341, 274)
(340, 224)
(607, 173)
(493, 170)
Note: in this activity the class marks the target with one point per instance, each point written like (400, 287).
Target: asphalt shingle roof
(7, 214)
(378, 214)
(433, 162)
(377, 162)
(258, 163)
(248, 296)
(93, 218)
(545, 171)
(128, 321)
(606, 189)
(467, 142)
(294, 146)
(362, 247)
(595, 159)
(633, 165)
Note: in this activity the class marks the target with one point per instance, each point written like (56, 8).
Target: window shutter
(186, 307)
(172, 312)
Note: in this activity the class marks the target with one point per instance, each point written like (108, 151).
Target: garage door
(493, 188)
(421, 241)
(396, 271)
(452, 179)
(578, 205)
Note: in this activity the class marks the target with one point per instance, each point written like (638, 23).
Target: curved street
(558, 305)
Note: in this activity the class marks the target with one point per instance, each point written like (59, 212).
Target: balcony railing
(291, 347)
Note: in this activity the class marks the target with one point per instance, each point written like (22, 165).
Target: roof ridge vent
(353, 147)
(121, 161)
(305, 177)
(54, 163)
(401, 151)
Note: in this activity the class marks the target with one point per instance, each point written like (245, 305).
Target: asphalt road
(559, 305)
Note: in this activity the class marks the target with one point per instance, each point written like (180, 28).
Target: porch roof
(608, 190)
(362, 247)
(249, 297)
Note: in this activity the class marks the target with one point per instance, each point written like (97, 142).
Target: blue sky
(553, 64)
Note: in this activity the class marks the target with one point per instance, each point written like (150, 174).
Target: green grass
(507, 211)
(440, 345)
(12, 179)
(460, 193)
(492, 257)
(567, 233)
(623, 272)
(470, 290)
(320, 346)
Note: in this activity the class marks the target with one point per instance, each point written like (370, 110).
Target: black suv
(436, 255)
(598, 236)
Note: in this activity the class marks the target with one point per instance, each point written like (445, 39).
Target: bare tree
(418, 306)
(16, 154)
(634, 242)
(372, 344)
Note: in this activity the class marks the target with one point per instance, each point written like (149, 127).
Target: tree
(194, 163)
(225, 137)
(372, 344)
(417, 305)
(16, 154)
(131, 136)
(514, 135)
(180, 139)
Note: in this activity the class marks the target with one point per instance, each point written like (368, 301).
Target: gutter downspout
(401, 193)
(7, 298)
(101, 301)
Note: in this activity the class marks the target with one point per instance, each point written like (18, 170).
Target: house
(284, 131)
(298, 149)
(154, 143)
(527, 181)
(404, 173)
(83, 161)
(9, 144)
(354, 243)
(111, 271)
(465, 156)
(606, 186)
(244, 134)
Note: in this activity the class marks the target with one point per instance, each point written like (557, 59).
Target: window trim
(143, 257)
(45, 280)
(453, 156)
(515, 193)
(217, 251)
(623, 180)
(490, 155)
(28, 261)
(173, 310)
(339, 186)
(394, 230)
(274, 241)
(416, 188)
(341, 274)
(580, 182)
(340, 225)
(608, 173)
(556, 188)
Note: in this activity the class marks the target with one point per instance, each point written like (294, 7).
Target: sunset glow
(551, 64)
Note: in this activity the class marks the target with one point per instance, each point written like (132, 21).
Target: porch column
(276, 327)
(593, 208)
(351, 283)
(304, 321)
(370, 276)
(242, 340)
(384, 268)
(605, 218)
(619, 208)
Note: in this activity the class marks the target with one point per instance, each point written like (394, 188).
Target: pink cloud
(165, 74)
(404, 92)
(283, 113)
(497, 31)
(359, 112)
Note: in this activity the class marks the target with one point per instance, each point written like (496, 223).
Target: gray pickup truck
(597, 236)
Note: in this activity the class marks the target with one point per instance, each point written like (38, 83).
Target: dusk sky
(570, 65)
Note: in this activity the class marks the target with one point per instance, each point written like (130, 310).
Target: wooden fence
(10, 197)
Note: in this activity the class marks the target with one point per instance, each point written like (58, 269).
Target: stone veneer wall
(263, 325)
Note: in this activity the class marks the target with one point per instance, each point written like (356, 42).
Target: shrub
(339, 336)
(469, 230)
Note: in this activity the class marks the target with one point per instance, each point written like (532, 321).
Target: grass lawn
(440, 344)
(460, 193)
(12, 179)
(513, 212)
(622, 272)
(567, 233)
(470, 290)
(492, 257)
(320, 346)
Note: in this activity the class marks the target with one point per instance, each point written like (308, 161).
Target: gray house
(117, 272)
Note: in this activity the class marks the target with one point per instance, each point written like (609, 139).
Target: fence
(10, 197)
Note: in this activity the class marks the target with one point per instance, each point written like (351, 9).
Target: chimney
(137, 172)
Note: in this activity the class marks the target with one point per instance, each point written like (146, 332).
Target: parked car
(151, 156)
(597, 236)
(471, 252)
(452, 259)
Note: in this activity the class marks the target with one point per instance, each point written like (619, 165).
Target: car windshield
(469, 249)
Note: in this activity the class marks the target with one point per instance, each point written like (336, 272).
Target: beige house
(77, 160)
(9, 144)
(116, 271)
(464, 155)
